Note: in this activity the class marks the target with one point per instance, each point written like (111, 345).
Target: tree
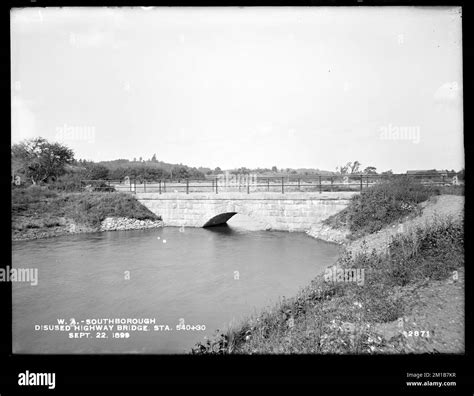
(153, 159)
(180, 172)
(97, 172)
(217, 170)
(274, 169)
(41, 160)
(354, 167)
(370, 170)
(342, 169)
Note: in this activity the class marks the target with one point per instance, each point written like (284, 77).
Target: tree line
(38, 161)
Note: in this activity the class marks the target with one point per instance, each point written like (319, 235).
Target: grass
(385, 203)
(91, 208)
(448, 190)
(339, 317)
(37, 207)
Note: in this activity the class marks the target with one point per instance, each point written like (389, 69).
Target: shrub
(433, 252)
(70, 182)
(384, 203)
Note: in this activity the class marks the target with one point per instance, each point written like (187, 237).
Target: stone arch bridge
(293, 211)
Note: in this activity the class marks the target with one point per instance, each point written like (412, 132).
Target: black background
(137, 373)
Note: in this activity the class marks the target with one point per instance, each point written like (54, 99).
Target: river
(209, 277)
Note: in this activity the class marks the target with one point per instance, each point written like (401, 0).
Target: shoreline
(71, 228)
(370, 319)
(48, 233)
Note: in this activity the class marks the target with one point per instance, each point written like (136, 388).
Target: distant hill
(120, 168)
(178, 169)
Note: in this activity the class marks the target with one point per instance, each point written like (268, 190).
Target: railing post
(332, 182)
(299, 185)
(212, 184)
(282, 185)
(160, 186)
(187, 186)
(164, 185)
(144, 185)
(130, 184)
(268, 184)
(217, 188)
(361, 182)
(320, 185)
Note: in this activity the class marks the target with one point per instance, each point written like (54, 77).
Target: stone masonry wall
(292, 211)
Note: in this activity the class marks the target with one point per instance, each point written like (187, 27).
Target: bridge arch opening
(239, 220)
(219, 219)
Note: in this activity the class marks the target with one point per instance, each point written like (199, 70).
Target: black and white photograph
(237, 181)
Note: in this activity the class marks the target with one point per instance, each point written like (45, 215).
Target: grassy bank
(346, 317)
(39, 212)
(339, 315)
(385, 204)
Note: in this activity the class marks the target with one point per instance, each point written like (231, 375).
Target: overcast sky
(255, 87)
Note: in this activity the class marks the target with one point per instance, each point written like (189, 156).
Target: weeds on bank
(381, 205)
(38, 207)
(384, 204)
(339, 317)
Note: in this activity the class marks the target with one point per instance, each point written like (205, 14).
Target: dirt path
(435, 320)
(435, 323)
(436, 208)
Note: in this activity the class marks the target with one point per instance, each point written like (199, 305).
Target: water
(205, 276)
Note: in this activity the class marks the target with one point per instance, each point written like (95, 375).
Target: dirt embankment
(40, 213)
(410, 304)
(438, 207)
(436, 306)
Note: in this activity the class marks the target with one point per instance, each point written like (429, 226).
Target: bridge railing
(284, 184)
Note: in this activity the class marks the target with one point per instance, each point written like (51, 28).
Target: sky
(292, 87)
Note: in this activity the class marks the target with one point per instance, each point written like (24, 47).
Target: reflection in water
(222, 229)
(134, 274)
